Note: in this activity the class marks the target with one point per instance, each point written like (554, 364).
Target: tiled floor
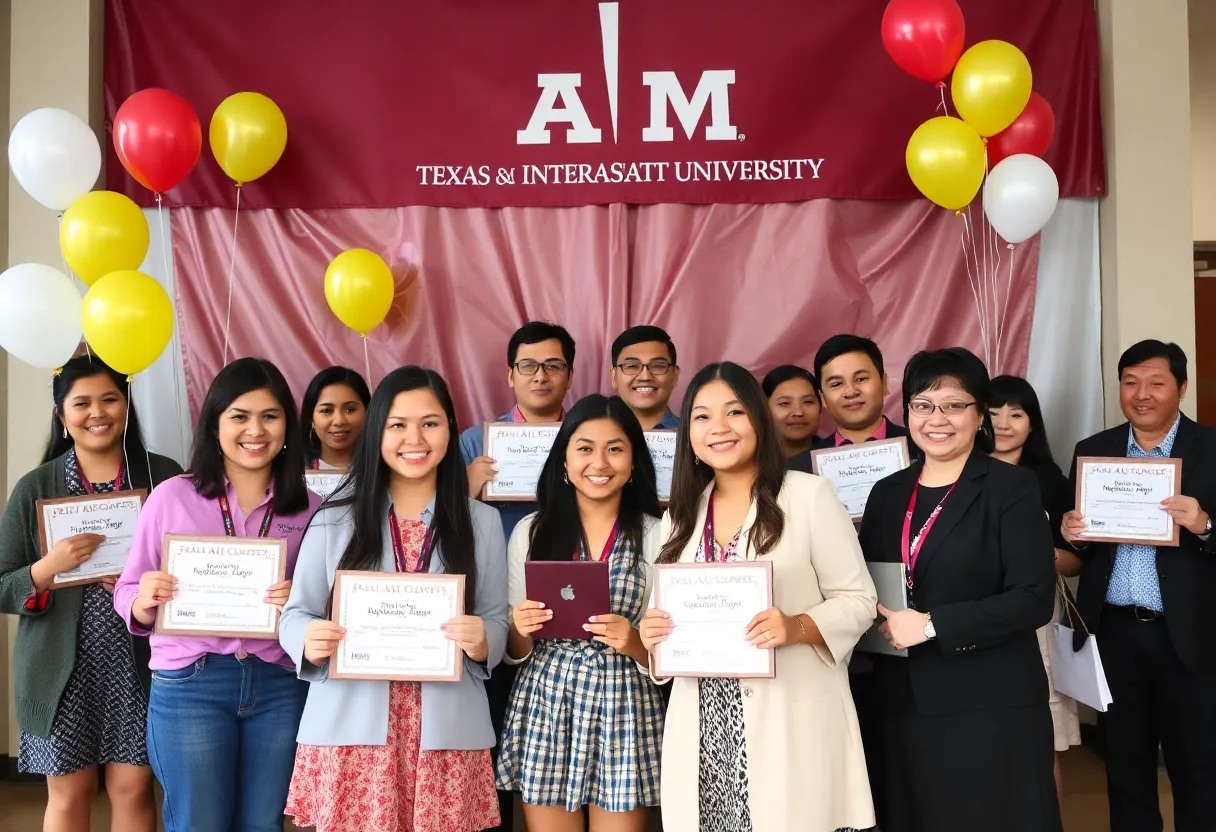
(1084, 800)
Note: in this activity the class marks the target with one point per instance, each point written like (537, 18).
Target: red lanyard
(708, 544)
(88, 486)
(608, 544)
(423, 563)
(912, 545)
(230, 528)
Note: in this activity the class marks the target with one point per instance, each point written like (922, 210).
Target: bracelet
(802, 627)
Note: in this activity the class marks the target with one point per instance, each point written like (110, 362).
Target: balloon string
(973, 283)
(1008, 292)
(367, 361)
(236, 219)
(977, 284)
(177, 385)
(72, 275)
(941, 87)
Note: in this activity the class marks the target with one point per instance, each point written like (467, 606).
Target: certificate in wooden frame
(342, 576)
(1153, 462)
(860, 448)
(765, 566)
(488, 491)
(279, 547)
(44, 540)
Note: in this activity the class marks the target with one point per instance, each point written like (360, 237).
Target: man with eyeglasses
(644, 373)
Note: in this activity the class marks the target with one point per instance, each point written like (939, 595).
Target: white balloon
(1020, 196)
(39, 315)
(55, 157)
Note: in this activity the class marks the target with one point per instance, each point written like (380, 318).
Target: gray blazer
(455, 716)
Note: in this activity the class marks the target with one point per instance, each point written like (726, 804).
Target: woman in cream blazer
(801, 765)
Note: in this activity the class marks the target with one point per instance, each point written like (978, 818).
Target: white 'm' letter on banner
(713, 88)
(563, 86)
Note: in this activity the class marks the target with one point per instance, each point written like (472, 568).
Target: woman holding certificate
(80, 678)
(210, 568)
(381, 747)
(332, 414)
(584, 723)
(766, 754)
(965, 728)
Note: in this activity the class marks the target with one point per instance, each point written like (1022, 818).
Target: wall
(1202, 14)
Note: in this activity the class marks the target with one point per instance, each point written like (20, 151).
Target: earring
(566, 477)
(65, 431)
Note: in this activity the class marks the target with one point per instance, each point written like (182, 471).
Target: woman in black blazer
(965, 730)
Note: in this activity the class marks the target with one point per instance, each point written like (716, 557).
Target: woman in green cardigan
(80, 679)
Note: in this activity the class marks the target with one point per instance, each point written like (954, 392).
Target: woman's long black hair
(207, 457)
(326, 378)
(365, 488)
(557, 532)
(87, 366)
(689, 479)
(1017, 392)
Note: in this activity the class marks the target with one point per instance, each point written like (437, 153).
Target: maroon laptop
(574, 590)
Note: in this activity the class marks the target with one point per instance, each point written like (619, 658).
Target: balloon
(39, 315)
(359, 288)
(945, 159)
(103, 232)
(248, 134)
(55, 157)
(1031, 132)
(157, 138)
(128, 320)
(991, 86)
(1020, 197)
(924, 37)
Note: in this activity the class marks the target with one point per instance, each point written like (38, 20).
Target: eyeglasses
(920, 407)
(657, 367)
(552, 368)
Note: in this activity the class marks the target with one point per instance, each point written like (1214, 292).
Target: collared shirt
(670, 421)
(1133, 580)
(175, 507)
(878, 436)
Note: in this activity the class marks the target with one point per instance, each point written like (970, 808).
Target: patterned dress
(396, 787)
(584, 725)
(103, 712)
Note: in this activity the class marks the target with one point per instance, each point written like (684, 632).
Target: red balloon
(924, 37)
(157, 137)
(1031, 132)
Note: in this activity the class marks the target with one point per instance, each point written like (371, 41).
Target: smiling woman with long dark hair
(780, 754)
(583, 725)
(422, 748)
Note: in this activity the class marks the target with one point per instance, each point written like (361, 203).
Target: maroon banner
(555, 103)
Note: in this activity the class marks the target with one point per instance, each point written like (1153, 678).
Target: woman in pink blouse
(223, 712)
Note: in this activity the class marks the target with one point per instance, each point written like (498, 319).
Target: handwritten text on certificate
(221, 584)
(1121, 498)
(113, 515)
(520, 451)
(323, 483)
(854, 469)
(662, 445)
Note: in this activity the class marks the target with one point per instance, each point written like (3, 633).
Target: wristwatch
(1207, 530)
(930, 630)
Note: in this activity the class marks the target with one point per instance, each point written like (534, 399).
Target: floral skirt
(396, 787)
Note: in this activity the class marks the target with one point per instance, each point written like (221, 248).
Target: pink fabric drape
(762, 285)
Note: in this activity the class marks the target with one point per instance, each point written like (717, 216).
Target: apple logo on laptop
(567, 593)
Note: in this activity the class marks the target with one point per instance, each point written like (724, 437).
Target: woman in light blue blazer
(399, 755)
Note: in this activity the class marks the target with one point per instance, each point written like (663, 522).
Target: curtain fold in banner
(480, 103)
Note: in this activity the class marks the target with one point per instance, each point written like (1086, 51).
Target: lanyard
(88, 486)
(423, 563)
(707, 535)
(911, 545)
(230, 529)
(608, 544)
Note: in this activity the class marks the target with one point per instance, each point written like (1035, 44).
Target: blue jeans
(222, 743)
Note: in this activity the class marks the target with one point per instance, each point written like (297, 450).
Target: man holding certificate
(1141, 526)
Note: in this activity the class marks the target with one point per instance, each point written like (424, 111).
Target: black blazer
(1187, 572)
(986, 573)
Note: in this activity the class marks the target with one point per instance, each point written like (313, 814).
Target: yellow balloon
(248, 134)
(103, 232)
(945, 159)
(128, 320)
(991, 86)
(359, 289)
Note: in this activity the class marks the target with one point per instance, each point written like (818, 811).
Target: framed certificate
(392, 622)
(221, 582)
(323, 483)
(711, 605)
(520, 449)
(1120, 498)
(662, 445)
(854, 469)
(112, 514)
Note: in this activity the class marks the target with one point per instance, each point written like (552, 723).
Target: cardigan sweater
(46, 639)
